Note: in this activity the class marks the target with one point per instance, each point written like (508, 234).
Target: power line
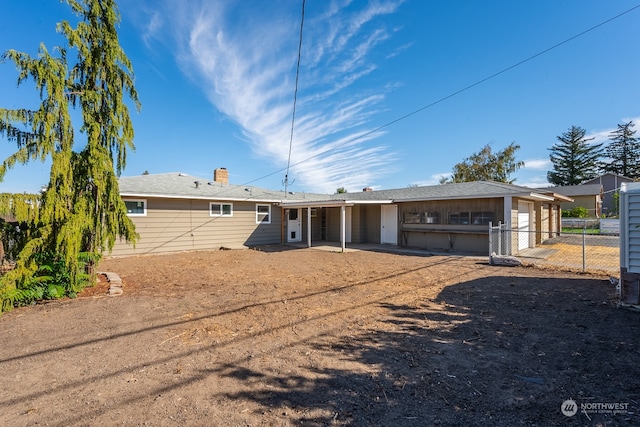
(440, 100)
(295, 97)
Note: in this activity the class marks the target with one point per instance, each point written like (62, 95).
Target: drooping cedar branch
(80, 209)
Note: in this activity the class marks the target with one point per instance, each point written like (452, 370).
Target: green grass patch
(566, 230)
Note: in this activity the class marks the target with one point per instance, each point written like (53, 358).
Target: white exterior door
(347, 224)
(389, 224)
(294, 226)
(524, 225)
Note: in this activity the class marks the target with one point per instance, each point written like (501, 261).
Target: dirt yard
(284, 337)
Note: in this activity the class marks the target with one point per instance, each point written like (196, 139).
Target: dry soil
(280, 337)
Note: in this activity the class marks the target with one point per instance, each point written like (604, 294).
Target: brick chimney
(365, 189)
(221, 175)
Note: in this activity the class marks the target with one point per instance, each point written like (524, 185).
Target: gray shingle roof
(179, 185)
(576, 190)
(478, 189)
(183, 186)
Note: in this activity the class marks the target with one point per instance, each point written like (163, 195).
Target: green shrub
(577, 212)
(52, 280)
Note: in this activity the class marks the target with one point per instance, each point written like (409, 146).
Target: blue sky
(216, 81)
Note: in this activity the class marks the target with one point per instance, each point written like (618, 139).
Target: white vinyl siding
(632, 238)
(176, 225)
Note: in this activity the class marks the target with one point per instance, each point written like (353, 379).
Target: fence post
(507, 243)
(584, 246)
(490, 241)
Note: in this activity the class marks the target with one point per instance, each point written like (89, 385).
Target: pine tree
(574, 159)
(623, 152)
(487, 166)
(81, 209)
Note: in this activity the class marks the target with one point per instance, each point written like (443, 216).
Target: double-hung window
(263, 214)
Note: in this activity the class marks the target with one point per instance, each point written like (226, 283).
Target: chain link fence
(582, 246)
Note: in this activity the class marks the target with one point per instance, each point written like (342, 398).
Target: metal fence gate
(578, 249)
(499, 239)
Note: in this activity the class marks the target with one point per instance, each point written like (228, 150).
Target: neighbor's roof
(612, 175)
(177, 185)
(576, 190)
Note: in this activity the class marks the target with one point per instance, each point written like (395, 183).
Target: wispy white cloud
(433, 179)
(399, 50)
(245, 58)
(598, 137)
(635, 120)
(534, 182)
(602, 136)
(151, 29)
(537, 164)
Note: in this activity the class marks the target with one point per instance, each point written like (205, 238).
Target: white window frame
(221, 212)
(258, 220)
(144, 210)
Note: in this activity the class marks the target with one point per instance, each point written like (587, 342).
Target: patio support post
(343, 210)
(309, 226)
(508, 207)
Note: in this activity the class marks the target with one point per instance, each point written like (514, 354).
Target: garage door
(523, 225)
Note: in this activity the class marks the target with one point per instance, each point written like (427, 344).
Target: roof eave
(212, 197)
(562, 197)
(536, 196)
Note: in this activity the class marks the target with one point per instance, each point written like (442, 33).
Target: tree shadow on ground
(494, 351)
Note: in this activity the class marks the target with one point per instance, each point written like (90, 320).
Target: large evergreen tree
(574, 159)
(487, 165)
(81, 209)
(623, 152)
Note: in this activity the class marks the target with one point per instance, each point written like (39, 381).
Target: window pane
(432, 218)
(481, 217)
(134, 206)
(262, 214)
(221, 209)
(459, 218)
(412, 217)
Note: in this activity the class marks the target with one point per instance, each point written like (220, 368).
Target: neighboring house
(588, 196)
(176, 212)
(610, 185)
